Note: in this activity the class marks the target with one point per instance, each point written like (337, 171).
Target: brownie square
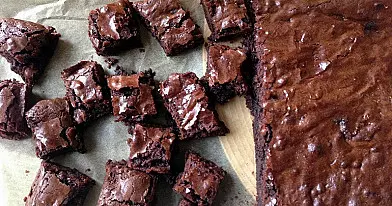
(112, 28)
(87, 91)
(224, 72)
(27, 46)
(185, 202)
(226, 18)
(150, 149)
(170, 24)
(59, 185)
(186, 100)
(13, 96)
(53, 128)
(124, 186)
(200, 180)
(132, 98)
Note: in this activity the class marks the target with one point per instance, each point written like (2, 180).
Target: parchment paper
(104, 139)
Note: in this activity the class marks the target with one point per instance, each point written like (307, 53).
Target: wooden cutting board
(238, 144)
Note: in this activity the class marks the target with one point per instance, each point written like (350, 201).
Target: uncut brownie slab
(186, 100)
(112, 28)
(226, 18)
(170, 24)
(27, 46)
(53, 129)
(323, 135)
(13, 102)
(224, 72)
(87, 91)
(58, 185)
(132, 98)
(200, 180)
(150, 149)
(124, 186)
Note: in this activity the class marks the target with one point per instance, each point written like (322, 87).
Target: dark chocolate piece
(186, 100)
(150, 149)
(87, 91)
(13, 97)
(170, 24)
(27, 46)
(224, 72)
(132, 98)
(112, 28)
(200, 180)
(59, 185)
(124, 186)
(226, 18)
(53, 129)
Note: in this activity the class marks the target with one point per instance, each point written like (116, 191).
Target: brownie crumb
(88, 170)
(142, 50)
(26, 171)
(111, 61)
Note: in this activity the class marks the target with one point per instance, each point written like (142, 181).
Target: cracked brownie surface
(27, 46)
(58, 185)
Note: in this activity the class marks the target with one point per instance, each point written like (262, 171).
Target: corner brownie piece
(53, 128)
(112, 28)
(87, 91)
(170, 24)
(224, 72)
(186, 100)
(132, 98)
(200, 180)
(150, 149)
(59, 185)
(27, 46)
(13, 96)
(124, 186)
(226, 18)
(185, 202)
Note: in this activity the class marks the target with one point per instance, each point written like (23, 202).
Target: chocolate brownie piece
(59, 185)
(150, 149)
(186, 100)
(53, 128)
(226, 18)
(13, 97)
(200, 180)
(124, 186)
(185, 202)
(323, 132)
(27, 46)
(87, 91)
(224, 72)
(170, 24)
(112, 28)
(132, 98)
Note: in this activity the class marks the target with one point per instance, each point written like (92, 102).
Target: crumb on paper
(88, 170)
(142, 50)
(26, 171)
(111, 61)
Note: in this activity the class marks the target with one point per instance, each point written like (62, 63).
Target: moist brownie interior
(322, 100)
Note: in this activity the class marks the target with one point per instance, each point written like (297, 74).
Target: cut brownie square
(170, 24)
(124, 186)
(13, 97)
(185, 202)
(27, 46)
(132, 98)
(59, 185)
(200, 180)
(186, 100)
(53, 128)
(112, 28)
(224, 72)
(226, 18)
(87, 91)
(150, 149)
